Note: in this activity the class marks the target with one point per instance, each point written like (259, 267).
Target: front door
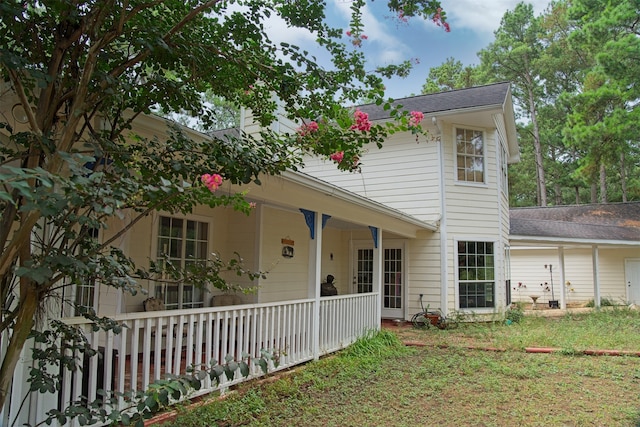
(393, 287)
(632, 277)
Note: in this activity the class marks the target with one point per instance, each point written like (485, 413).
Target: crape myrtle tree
(83, 71)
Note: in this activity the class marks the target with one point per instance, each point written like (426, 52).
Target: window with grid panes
(392, 292)
(476, 273)
(182, 242)
(85, 292)
(504, 168)
(469, 155)
(365, 271)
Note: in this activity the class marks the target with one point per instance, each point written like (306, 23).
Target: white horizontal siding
(472, 208)
(424, 273)
(527, 267)
(287, 278)
(403, 175)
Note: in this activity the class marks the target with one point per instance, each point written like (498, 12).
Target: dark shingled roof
(474, 97)
(615, 221)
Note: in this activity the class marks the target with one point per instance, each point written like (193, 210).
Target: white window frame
(159, 288)
(86, 294)
(455, 155)
(495, 274)
(504, 169)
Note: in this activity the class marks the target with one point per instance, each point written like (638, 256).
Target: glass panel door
(364, 271)
(392, 277)
(393, 284)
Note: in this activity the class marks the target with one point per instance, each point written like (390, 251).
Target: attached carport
(613, 227)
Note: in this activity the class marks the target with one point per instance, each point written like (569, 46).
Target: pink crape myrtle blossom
(212, 182)
(337, 156)
(437, 19)
(362, 121)
(416, 118)
(252, 205)
(356, 39)
(308, 128)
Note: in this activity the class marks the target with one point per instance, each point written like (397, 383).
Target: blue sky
(472, 25)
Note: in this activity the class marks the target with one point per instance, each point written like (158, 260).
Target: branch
(20, 238)
(135, 221)
(19, 90)
(143, 54)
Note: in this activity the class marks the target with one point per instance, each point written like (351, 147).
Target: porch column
(377, 276)
(596, 275)
(563, 280)
(314, 220)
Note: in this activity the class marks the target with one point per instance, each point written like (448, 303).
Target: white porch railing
(154, 344)
(344, 319)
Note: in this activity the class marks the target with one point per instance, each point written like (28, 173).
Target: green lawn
(381, 382)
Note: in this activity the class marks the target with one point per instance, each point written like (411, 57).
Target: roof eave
(353, 198)
(571, 241)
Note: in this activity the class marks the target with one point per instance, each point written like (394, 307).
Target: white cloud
(279, 31)
(382, 46)
(483, 16)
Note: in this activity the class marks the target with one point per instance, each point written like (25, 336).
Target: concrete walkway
(549, 312)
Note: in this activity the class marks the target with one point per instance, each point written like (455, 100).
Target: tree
(513, 56)
(224, 115)
(84, 71)
(450, 75)
(605, 113)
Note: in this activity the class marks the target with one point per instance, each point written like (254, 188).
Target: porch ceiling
(294, 190)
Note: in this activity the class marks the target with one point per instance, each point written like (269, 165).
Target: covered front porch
(153, 345)
(301, 231)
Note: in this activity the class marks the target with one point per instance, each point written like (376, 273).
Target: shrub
(515, 314)
(604, 302)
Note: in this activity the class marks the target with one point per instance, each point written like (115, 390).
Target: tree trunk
(603, 183)
(28, 306)
(558, 193)
(623, 177)
(537, 145)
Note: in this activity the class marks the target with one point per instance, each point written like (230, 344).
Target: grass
(380, 382)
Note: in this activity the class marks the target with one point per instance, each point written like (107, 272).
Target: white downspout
(377, 279)
(596, 275)
(563, 279)
(444, 259)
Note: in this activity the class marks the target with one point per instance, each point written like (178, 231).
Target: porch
(155, 344)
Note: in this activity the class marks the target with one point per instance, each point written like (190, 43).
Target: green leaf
(38, 274)
(262, 363)
(244, 369)
(125, 419)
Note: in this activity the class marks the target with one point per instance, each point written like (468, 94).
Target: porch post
(596, 275)
(315, 265)
(563, 279)
(377, 278)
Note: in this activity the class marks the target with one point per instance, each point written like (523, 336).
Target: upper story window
(470, 155)
(504, 177)
(183, 242)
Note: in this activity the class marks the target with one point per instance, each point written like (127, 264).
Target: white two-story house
(455, 179)
(426, 219)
